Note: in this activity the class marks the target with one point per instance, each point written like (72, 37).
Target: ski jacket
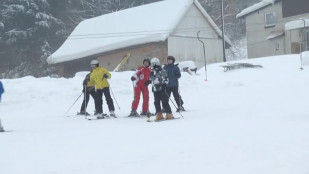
(97, 78)
(159, 79)
(142, 75)
(86, 81)
(173, 74)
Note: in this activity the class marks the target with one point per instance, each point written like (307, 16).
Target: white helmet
(155, 61)
(94, 62)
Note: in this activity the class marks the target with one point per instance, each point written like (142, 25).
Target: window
(277, 46)
(270, 19)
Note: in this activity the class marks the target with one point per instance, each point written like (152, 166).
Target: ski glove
(133, 78)
(105, 76)
(147, 82)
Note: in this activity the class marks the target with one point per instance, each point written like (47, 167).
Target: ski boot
(146, 113)
(133, 114)
(181, 108)
(83, 113)
(100, 116)
(112, 114)
(169, 116)
(159, 116)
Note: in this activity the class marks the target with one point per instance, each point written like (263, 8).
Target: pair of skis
(155, 120)
(104, 116)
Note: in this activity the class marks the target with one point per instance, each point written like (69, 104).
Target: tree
(27, 25)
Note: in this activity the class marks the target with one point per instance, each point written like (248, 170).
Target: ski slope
(238, 122)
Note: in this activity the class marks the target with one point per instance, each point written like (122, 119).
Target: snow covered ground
(238, 122)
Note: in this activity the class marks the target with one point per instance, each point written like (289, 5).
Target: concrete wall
(111, 60)
(69, 69)
(257, 33)
(184, 45)
(138, 53)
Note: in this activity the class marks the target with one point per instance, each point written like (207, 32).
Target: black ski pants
(161, 96)
(176, 95)
(99, 100)
(86, 99)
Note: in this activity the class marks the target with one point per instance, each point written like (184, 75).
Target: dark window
(277, 46)
(294, 7)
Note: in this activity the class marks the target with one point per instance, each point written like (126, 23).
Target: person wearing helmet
(140, 81)
(159, 80)
(98, 78)
(173, 73)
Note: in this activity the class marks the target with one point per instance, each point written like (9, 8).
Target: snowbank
(299, 23)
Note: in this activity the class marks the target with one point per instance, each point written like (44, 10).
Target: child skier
(159, 79)
(141, 79)
(173, 74)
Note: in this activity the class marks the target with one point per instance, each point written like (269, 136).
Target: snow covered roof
(255, 7)
(139, 25)
(299, 23)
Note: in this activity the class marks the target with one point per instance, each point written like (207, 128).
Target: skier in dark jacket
(87, 90)
(1, 90)
(173, 74)
(159, 81)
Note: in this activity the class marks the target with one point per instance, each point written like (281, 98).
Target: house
(276, 27)
(123, 39)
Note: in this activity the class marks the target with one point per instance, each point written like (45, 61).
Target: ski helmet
(146, 60)
(171, 58)
(155, 61)
(94, 63)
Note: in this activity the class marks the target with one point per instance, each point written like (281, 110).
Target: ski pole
(180, 103)
(173, 103)
(85, 98)
(112, 93)
(114, 97)
(73, 103)
(133, 91)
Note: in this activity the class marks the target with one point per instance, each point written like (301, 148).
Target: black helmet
(171, 58)
(146, 60)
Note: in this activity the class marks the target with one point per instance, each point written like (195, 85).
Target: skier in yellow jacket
(98, 78)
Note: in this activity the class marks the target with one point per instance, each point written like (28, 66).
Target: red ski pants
(137, 92)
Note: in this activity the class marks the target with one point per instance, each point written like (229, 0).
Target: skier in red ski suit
(141, 79)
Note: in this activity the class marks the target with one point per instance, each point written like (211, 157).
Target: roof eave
(245, 15)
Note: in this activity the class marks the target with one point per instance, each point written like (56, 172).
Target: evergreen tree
(27, 25)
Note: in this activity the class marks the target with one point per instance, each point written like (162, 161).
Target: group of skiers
(164, 81)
